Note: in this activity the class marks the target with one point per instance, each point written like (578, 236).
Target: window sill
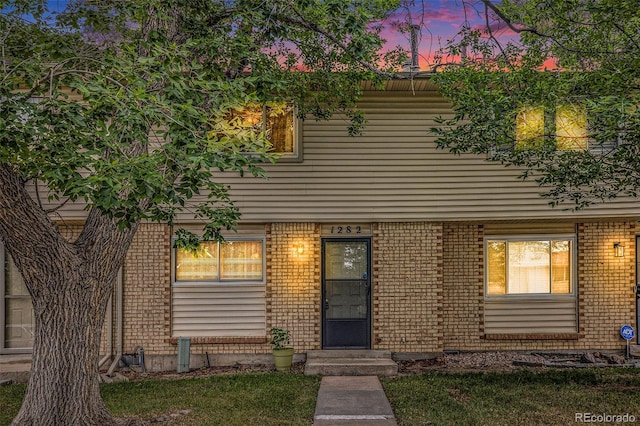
(528, 297)
(217, 283)
(538, 336)
(222, 340)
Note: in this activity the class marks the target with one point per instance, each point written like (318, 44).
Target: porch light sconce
(299, 249)
(618, 249)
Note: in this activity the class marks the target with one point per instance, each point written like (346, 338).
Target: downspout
(119, 295)
(109, 333)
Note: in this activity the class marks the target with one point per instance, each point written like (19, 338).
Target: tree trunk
(70, 285)
(63, 387)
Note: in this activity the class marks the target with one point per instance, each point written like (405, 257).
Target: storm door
(346, 293)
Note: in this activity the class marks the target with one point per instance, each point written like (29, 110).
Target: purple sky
(439, 21)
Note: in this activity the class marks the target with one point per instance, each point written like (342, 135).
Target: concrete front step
(350, 363)
(349, 353)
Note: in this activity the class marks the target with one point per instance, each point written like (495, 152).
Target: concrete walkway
(352, 400)
(342, 400)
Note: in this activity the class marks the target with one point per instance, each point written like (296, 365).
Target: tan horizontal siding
(522, 316)
(393, 172)
(529, 229)
(218, 310)
(243, 229)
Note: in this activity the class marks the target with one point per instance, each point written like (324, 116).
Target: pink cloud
(440, 21)
(497, 28)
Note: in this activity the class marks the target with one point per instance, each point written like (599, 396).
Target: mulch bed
(453, 362)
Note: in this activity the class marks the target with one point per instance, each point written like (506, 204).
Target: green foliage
(579, 52)
(280, 338)
(158, 81)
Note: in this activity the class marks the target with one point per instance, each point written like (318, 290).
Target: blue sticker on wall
(627, 332)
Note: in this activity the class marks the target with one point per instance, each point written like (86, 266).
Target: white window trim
(531, 296)
(209, 283)
(3, 315)
(296, 156)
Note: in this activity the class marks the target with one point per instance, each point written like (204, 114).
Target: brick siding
(428, 290)
(293, 282)
(605, 291)
(407, 287)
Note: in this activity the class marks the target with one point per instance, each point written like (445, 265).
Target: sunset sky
(439, 21)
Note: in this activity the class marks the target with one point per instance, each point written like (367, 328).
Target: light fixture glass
(618, 249)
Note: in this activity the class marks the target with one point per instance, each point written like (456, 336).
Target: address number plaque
(346, 230)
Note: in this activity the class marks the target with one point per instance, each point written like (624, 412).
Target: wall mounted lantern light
(618, 249)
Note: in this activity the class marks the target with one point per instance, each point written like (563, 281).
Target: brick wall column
(147, 291)
(605, 282)
(463, 285)
(293, 282)
(407, 287)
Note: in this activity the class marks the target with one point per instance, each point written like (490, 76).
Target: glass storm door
(346, 294)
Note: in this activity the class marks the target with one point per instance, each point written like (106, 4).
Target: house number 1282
(346, 229)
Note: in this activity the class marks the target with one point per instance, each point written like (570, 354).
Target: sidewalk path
(352, 400)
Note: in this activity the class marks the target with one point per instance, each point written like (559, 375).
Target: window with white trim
(16, 309)
(219, 290)
(530, 266)
(279, 121)
(239, 260)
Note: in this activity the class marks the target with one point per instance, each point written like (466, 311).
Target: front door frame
(323, 301)
(637, 290)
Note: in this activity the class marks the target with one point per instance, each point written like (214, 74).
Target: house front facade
(378, 241)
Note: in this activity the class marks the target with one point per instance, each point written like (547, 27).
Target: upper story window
(566, 124)
(529, 266)
(231, 260)
(280, 123)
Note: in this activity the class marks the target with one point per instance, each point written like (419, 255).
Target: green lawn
(527, 397)
(234, 399)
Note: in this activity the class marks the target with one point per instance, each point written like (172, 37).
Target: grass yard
(525, 397)
(231, 399)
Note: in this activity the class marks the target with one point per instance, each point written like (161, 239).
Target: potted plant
(282, 354)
